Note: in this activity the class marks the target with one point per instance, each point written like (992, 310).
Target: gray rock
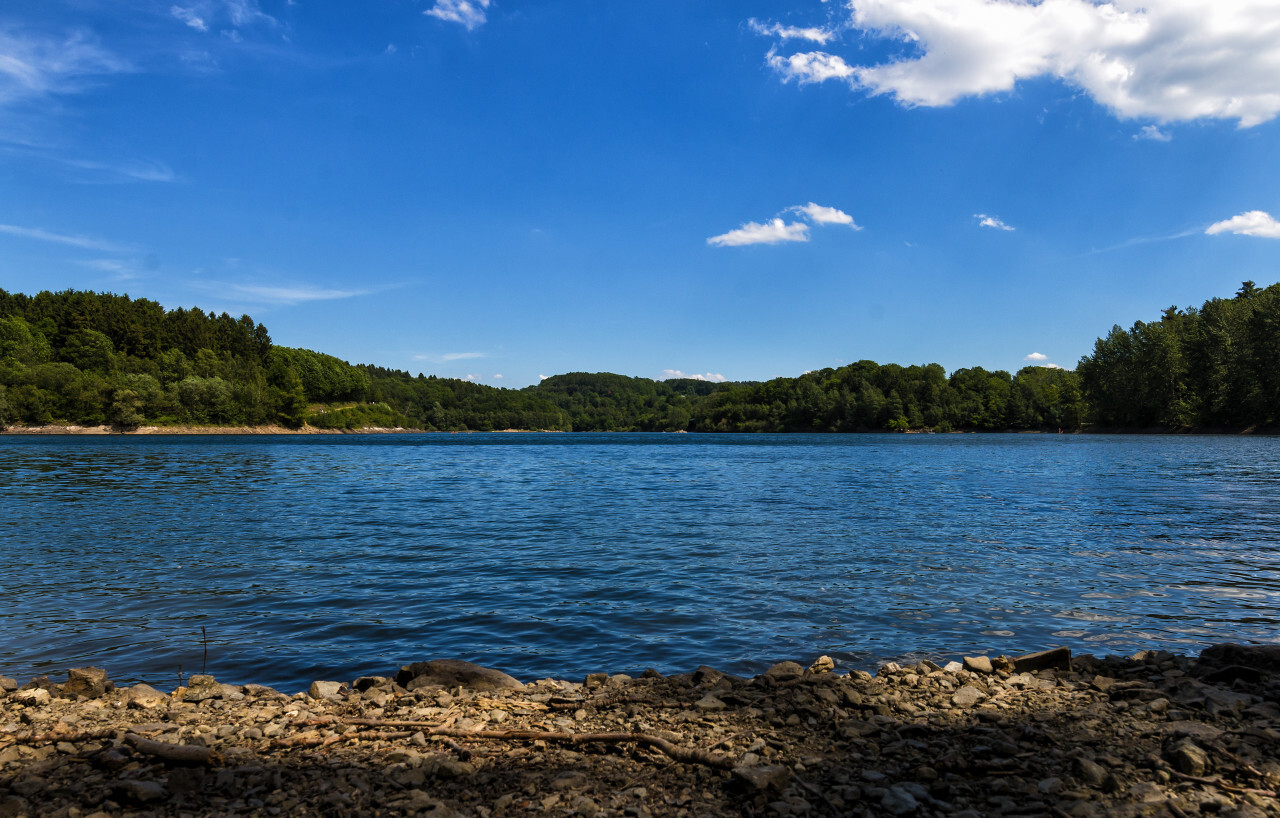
(90, 682)
(898, 801)
(763, 778)
(1088, 771)
(8, 684)
(35, 696)
(367, 682)
(143, 697)
(569, 780)
(978, 664)
(141, 792)
(454, 673)
(1186, 757)
(709, 702)
(1055, 658)
(967, 696)
(784, 672)
(202, 688)
(326, 690)
(953, 667)
(1259, 657)
(823, 664)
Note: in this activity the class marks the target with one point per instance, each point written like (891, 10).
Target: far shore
(188, 429)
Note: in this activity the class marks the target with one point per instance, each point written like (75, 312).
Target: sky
(504, 190)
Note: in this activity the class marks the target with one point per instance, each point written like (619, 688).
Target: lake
(328, 557)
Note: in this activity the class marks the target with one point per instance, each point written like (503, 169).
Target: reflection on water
(563, 554)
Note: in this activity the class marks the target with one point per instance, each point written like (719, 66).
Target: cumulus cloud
(778, 230)
(673, 374)
(991, 221)
(1152, 133)
(810, 66)
(1168, 60)
(818, 214)
(771, 232)
(816, 35)
(468, 13)
(1253, 223)
(1036, 357)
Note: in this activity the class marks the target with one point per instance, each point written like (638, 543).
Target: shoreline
(73, 430)
(1043, 734)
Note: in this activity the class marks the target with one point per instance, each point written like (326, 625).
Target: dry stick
(177, 753)
(688, 756)
(1222, 785)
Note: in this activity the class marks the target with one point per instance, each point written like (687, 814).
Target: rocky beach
(1154, 734)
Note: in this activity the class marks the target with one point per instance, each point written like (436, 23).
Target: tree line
(96, 358)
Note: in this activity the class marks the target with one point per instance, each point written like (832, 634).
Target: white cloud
(1253, 223)
(1036, 357)
(777, 230)
(712, 377)
(82, 242)
(824, 215)
(290, 295)
(33, 67)
(811, 66)
(499, 377)
(991, 221)
(773, 232)
(1169, 60)
(468, 13)
(543, 377)
(1153, 133)
(189, 16)
(1050, 366)
(201, 14)
(471, 377)
(449, 357)
(817, 35)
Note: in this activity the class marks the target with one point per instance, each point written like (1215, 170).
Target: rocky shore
(1154, 734)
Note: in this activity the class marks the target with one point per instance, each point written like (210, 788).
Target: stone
(1054, 658)
(967, 696)
(143, 697)
(1088, 771)
(1259, 657)
(762, 778)
(202, 688)
(709, 702)
(899, 801)
(365, 683)
(823, 664)
(888, 669)
(140, 792)
(569, 780)
(784, 672)
(90, 682)
(8, 684)
(326, 690)
(953, 667)
(1188, 758)
(34, 697)
(978, 664)
(454, 673)
(595, 680)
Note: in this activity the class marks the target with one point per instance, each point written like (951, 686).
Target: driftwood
(176, 753)
(1222, 785)
(683, 754)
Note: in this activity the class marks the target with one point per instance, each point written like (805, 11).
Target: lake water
(556, 555)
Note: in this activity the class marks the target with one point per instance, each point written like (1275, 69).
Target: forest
(91, 359)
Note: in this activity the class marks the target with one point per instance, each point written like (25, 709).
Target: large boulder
(454, 673)
(90, 682)
(1265, 658)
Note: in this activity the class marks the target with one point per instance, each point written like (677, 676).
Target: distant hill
(101, 359)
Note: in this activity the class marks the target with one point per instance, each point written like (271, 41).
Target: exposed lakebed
(556, 555)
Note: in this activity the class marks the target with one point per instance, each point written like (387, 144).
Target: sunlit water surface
(557, 555)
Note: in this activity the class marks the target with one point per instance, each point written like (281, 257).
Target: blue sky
(503, 190)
